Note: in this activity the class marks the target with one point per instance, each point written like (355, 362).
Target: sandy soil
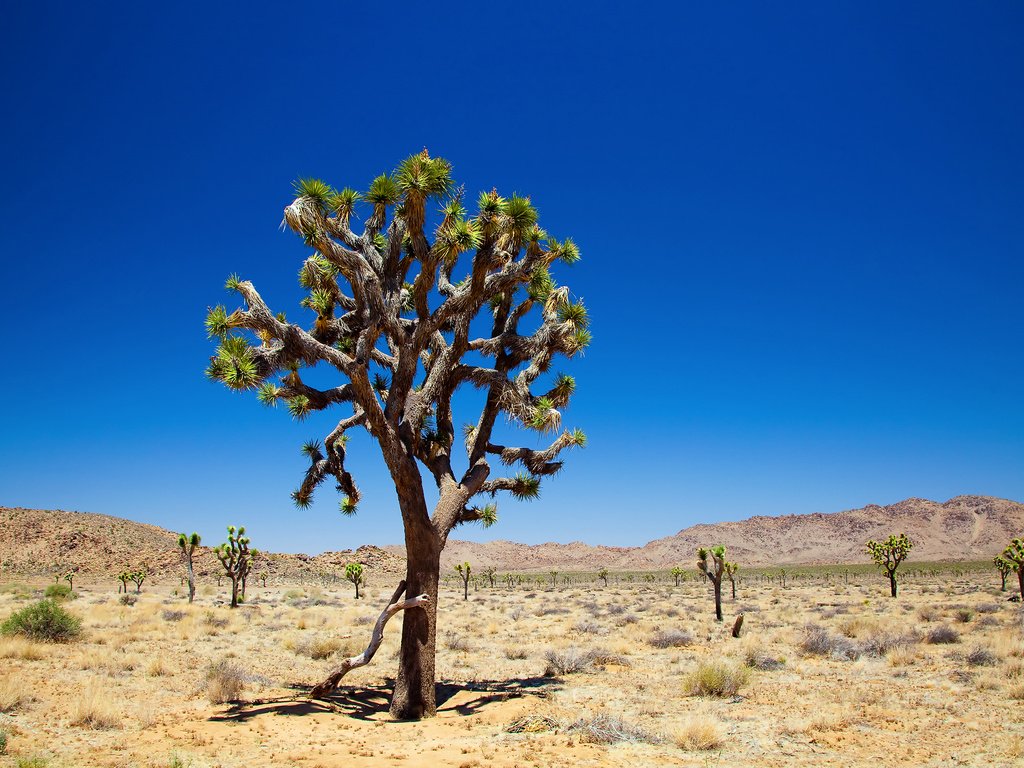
(871, 689)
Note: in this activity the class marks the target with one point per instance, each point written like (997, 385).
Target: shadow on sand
(370, 702)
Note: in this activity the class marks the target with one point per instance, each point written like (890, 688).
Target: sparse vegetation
(354, 573)
(464, 569)
(714, 572)
(716, 678)
(236, 559)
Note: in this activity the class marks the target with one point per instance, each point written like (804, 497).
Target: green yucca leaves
(343, 203)
(490, 203)
(312, 450)
(569, 252)
(298, 407)
(217, 322)
(234, 364)
(383, 191)
(320, 301)
(574, 315)
(540, 286)
(347, 506)
(316, 190)
(579, 438)
(268, 394)
(520, 215)
(579, 341)
(488, 515)
(380, 384)
(302, 499)
(424, 176)
(232, 282)
(526, 487)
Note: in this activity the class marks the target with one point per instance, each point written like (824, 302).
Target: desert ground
(828, 671)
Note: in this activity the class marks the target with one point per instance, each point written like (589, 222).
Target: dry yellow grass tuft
(95, 707)
(699, 734)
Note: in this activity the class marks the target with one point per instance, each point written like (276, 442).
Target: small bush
(963, 615)
(319, 648)
(516, 652)
(60, 592)
(981, 657)
(943, 635)
(716, 679)
(3, 742)
(989, 608)
(927, 613)
(608, 729)
(95, 708)
(44, 620)
(173, 615)
(589, 628)
(881, 642)
(670, 638)
(567, 662)
(224, 682)
(32, 762)
(453, 641)
(128, 600)
(756, 658)
(818, 641)
(698, 735)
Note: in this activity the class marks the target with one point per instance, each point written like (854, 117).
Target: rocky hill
(37, 542)
(963, 528)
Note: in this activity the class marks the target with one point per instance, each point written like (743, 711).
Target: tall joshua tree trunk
(892, 583)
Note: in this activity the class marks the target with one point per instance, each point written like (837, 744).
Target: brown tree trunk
(1020, 580)
(718, 599)
(415, 696)
(892, 584)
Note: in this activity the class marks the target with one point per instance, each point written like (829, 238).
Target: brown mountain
(36, 541)
(963, 528)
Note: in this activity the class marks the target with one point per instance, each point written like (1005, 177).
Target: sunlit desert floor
(827, 674)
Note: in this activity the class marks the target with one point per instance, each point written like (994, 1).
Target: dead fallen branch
(394, 606)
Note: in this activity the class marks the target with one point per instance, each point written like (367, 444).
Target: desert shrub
(32, 762)
(758, 658)
(224, 682)
(173, 615)
(589, 628)
(13, 692)
(95, 708)
(364, 620)
(988, 608)
(616, 610)
(670, 638)
(699, 735)
(44, 620)
(320, 647)
(603, 656)
(516, 652)
(516, 613)
(943, 635)
(60, 592)
(609, 729)
(3, 742)
(569, 661)
(629, 618)
(453, 641)
(128, 600)
(927, 613)
(716, 678)
(818, 641)
(963, 615)
(879, 643)
(213, 620)
(981, 657)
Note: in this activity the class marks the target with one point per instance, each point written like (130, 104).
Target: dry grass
(716, 678)
(699, 734)
(95, 707)
(13, 692)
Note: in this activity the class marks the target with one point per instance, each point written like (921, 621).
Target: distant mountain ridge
(963, 528)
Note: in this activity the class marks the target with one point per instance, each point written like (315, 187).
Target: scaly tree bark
(397, 328)
(188, 545)
(714, 571)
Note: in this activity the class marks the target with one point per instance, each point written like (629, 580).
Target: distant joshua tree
(354, 573)
(677, 574)
(603, 576)
(889, 554)
(123, 578)
(464, 571)
(1005, 567)
(69, 577)
(730, 570)
(554, 578)
(490, 573)
(714, 571)
(1014, 554)
(188, 545)
(137, 577)
(236, 557)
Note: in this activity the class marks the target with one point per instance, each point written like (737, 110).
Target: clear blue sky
(802, 228)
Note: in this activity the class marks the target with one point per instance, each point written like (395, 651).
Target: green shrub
(60, 592)
(716, 679)
(44, 620)
(32, 762)
(3, 742)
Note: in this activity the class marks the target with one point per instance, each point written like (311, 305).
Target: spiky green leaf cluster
(234, 364)
(346, 506)
(316, 190)
(890, 553)
(424, 176)
(383, 191)
(217, 324)
(526, 487)
(299, 407)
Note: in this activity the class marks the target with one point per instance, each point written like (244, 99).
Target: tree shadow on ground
(369, 702)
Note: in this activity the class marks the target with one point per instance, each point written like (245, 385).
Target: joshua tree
(1014, 554)
(677, 574)
(137, 577)
(713, 572)
(123, 577)
(1004, 567)
(782, 577)
(402, 348)
(263, 578)
(730, 571)
(554, 578)
(603, 576)
(354, 573)
(489, 573)
(69, 577)
(464, 570)
(888, 555)
(510, 580)
(236, 557)
(187, 545)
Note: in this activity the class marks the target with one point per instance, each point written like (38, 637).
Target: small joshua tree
(677, 574)
(490, 573)
(782, 577)
(888, 555)
(464, 571)
(730, 571)
(510, 580)
(122, 577)
(263, 578)
(137, 577)
(1014, 555)
(554, 578)
(714, 572)
(236, 558)
(1004, 567)
(603, 576)
(354, 573)
(69, 577)
(187, 545)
